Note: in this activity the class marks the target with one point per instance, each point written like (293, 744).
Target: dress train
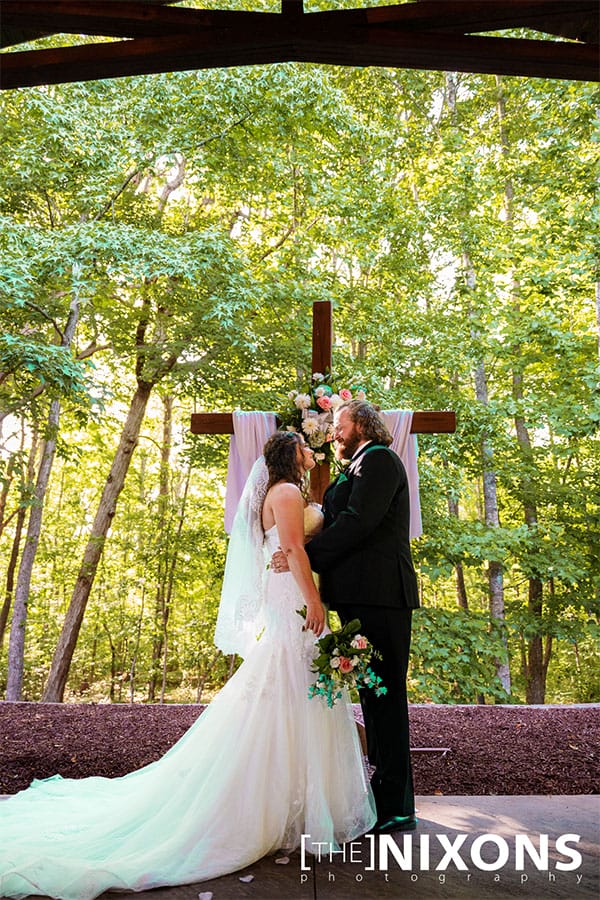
(261, 766)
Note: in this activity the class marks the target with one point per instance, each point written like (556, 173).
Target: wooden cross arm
(426, 422)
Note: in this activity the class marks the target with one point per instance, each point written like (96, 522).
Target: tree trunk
(63, 654)
(171, 576)
(159, 644)
(26, 487)
(598, 314)
(136, 647)
(536, 664)
(16, 646)
(536, 661)
(490, 490)
(6, 484)
(459, 575)
(490, 505)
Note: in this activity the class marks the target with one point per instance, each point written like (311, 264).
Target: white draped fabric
(251, 430)
(250, 433)
(398, 423)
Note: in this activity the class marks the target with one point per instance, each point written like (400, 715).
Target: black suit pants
(386, 717)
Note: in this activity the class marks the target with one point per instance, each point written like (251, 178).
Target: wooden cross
(427, 422)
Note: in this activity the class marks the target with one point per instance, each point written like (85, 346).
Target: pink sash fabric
(250, 433)
(398, 423)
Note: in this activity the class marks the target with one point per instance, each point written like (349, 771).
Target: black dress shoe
(395, 823)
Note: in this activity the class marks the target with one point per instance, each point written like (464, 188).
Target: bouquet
(343, 661)
(311, 412)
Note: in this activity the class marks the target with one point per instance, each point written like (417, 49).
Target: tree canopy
(163, 239)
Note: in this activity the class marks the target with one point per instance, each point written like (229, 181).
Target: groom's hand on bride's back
(279, 562)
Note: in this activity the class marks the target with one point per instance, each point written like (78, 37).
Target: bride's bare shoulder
(284, 490)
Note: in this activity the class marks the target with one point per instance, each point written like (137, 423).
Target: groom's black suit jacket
(363, 553)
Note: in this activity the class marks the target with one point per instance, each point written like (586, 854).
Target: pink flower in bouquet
(345, 394)
(359, 642)
(324, 402)
(346, 665)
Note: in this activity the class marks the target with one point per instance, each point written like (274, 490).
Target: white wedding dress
(261, 766)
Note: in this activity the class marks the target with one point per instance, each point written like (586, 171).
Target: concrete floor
(370, 870)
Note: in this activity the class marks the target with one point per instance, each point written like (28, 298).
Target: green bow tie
(341, 478)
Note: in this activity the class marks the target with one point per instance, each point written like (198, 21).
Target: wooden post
(424, 422)
(322, 359)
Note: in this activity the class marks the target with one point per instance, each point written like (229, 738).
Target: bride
(261, 766)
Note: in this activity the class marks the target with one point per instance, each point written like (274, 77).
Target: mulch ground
(492, 749)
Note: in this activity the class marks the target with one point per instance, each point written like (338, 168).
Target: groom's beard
(350, 446)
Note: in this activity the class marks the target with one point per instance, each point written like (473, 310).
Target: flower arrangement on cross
(310, 411)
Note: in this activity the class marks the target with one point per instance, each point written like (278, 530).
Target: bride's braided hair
(281, 459)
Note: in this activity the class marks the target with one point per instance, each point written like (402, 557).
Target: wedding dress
(262, 765)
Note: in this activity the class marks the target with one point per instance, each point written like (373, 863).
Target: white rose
(292, 394)
(334, 662)
(335, 401)
(355, 660)
(302, 401)
(320, 391)
(318, 376)
(319, 457)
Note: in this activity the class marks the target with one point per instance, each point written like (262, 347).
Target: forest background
(163, 240)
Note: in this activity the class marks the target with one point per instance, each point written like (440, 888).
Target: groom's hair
(368, 421)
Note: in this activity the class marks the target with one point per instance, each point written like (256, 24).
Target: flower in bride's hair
(360, 395)
(345, 394)
(302, 401)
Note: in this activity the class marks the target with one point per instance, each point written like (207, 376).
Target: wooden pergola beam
(128, 18)
(425, 422)
(236, 47)
(426, 34)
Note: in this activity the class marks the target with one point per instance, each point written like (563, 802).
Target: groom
(364, 560)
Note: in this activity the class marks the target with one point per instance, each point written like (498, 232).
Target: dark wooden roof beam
(124, 19)
(426, 34)
(120, 18)
(352, 46)
(443, 52)
(579, 21)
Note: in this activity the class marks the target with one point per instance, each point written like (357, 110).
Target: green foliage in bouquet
(343, 662)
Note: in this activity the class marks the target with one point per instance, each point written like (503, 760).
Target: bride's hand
(279, 563)
(315, 617)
